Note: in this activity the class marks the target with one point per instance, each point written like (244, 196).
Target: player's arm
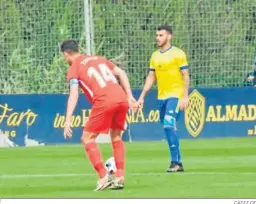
(124, 81)
(185, 73)
(72, 101)
(121, 74)
(184, 68)
(150, 80)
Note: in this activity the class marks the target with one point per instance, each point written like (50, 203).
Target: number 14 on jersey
(102, 76)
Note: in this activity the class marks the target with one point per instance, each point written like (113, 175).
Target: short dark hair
(69, 46)
(165, 27)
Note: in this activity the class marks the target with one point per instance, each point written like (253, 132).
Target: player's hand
(184, 103)
(67, 130)
(140, 103)
(132, 103)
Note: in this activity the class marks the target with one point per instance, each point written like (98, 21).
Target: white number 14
(104, 76)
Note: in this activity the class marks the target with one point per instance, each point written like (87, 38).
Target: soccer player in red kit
(110, 102)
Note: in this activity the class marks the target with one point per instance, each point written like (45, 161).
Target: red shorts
(102, 119)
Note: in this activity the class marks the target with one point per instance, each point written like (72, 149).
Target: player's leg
(96, 124)
(179, 153)
(161, 107)
(118, 125)
(171, 113)
(119, 155)
(93, 152)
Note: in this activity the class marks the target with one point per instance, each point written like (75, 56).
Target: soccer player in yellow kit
(169, 67)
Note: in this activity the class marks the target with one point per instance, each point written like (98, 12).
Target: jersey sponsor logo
(195, 113)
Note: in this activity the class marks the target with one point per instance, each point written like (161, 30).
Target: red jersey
(97, 80)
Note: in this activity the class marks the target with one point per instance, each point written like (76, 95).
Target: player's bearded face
(162, 38)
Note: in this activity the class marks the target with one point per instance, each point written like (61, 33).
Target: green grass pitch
(214, 168)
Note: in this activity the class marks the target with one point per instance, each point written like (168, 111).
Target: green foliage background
(218, 36)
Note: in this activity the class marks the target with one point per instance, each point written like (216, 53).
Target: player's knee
(115, 135)
(170, 122)
(88, 137)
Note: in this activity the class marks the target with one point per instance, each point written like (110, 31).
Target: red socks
(119, 155)
(95, 157)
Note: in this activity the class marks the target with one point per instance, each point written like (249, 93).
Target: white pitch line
(16, 176)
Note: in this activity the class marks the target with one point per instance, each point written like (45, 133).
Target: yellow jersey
(167, 66)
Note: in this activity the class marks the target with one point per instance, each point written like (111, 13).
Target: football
(111, 166)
